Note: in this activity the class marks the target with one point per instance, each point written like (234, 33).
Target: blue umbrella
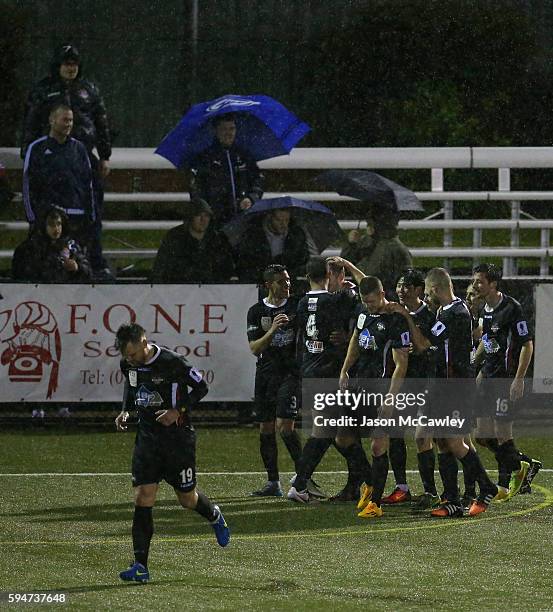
(318, 221)
(265, 129)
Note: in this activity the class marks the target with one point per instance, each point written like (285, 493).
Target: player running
(156, 386)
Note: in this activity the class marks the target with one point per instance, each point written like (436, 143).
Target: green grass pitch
(66, 526)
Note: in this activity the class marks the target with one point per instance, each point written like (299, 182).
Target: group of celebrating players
(354, 336)
(431, 339)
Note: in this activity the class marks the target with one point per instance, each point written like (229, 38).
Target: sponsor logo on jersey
(495, 328)
(312, 303)
(315, 346)
(366, 341)
(266, 323)
(195, 375)
(283, 337)
(157, 380)
(491, 345)
(145, 398)
(133, 378)
(380, 326)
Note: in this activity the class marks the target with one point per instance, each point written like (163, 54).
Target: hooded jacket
(89, 112)
(40, 259)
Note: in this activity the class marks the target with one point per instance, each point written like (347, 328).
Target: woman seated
(49, 255)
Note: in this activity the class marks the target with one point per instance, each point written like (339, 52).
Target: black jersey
(280, 355)
(379, 333)
(504, 330)
(160, 384)
(419, 363)
(452, 340)
(319, 314)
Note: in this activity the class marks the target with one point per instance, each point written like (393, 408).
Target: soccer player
(272, 338)
(379, 346)
(452, 346)
(320, 314)
(410, 291)
(507, 346)
(156, 385)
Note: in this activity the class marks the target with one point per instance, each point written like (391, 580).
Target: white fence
(434, 159)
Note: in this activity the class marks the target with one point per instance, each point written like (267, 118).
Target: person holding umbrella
(221, 140)
(226, 175)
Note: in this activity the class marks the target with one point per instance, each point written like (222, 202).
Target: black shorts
(276, 397)
(170, 457)
(493, 399)
(450, 405)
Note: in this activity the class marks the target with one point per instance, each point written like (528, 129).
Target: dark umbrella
(264, 128)
(318, 221)
(370, 187)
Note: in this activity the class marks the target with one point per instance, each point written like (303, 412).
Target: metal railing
(435, 159)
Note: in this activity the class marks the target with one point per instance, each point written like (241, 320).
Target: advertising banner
(57, 341)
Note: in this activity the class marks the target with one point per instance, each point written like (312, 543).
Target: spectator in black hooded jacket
(50, 255)
(194, 252)
(224, 175)
(65, 85)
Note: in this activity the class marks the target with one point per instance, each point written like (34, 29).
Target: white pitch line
(87, 474)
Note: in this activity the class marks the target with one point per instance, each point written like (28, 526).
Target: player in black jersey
(272, 338)
(379, 347)
(319, 315)
(410, 291)
(156, 386)
(506, 347)
(452, 346)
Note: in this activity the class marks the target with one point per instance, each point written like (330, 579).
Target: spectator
(224, 175)
(65, 85)
(57, 173)
(50, 255)
(379, 252)
(194, 252)
(275, 238)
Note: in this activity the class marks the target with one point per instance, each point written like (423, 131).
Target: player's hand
(344, 381)
(279, 321)
(245, 204)
(167, 417)
(339, 337)
(392, 307)
(121, 421)
(517, 389)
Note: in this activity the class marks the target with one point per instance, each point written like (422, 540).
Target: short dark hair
(335, 268)
(316, 269)
(129, 332)
(492, 272)
(222, 118)
(412, 278)
(61, 106)
(370, 284)
(273, 270)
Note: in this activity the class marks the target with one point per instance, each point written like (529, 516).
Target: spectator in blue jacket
(65, 85)
(57, 172)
